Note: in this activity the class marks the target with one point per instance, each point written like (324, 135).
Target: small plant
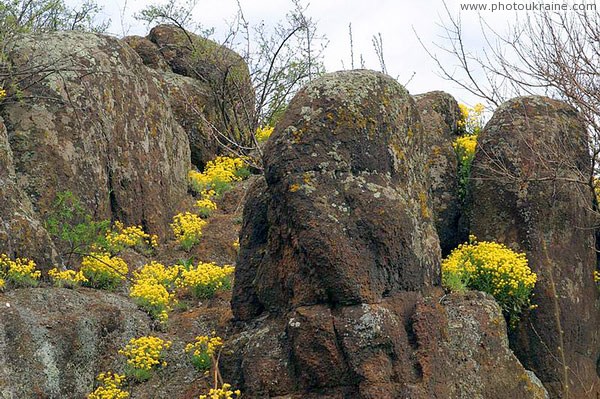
(143, 355)
(20, 272)
(104, 271)
(120, 237)
(224, 392)
(218, 175)
(110, 387)
(72, 226)
(187, 228)
(471, 119)
(596, 278)
(492, 268)
(263, 133)
(66, 278)
(204, 351)
(151, 289)
(470, 124)
(205, 204)
(206, 279)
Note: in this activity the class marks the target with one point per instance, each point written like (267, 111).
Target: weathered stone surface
(101, 128)
(348, 211)
(148, 51)
(531, 188)
(440, 115)
(53, 342)
(407, 346)
(21, 232)
(209, 88)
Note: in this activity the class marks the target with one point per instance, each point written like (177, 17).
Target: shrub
(121, 237)
(187, 228)
(110, 387)
(495, 269)
(66, 278)
(206, 279)
(20, 272)
(73, 228)
(143, 355)
(203, 351)
(104, 271)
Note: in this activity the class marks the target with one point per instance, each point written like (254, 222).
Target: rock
(149, 52)
(22, 234)
(531, 188)
(101, 128)
(209, 88)
(349, 218)
(406, 346)
(335, 288)
(440, 115)
(54, 342)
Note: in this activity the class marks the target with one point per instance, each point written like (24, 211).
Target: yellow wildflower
(224, 392)
(66, 278)
(206, 279)
(263, 133)
(110, 388)
(103, 270)
(495, 269)
(21, 272)
(187, 228)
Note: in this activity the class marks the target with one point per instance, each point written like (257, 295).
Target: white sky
(395, 20)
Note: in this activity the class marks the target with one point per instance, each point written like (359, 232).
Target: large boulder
(440, 115)
(54, 342)
(21, 231)
(348, 209)
(209, 87)
(531, 192)
(95, 121)
(335, 287)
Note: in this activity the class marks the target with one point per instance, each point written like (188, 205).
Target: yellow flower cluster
(2, 93)
(158, 273)
(218, 174)
(110, 388)
(471, 121)
(203, 350)
(66, 278)
(154, 298)
(103, 270)
(187, 228)
(263, 133)
(464, 146)
(495, 269)
(224, 392)
(596, 276)
(206, 279)
(145, 353)
(151, 289)
(121, 237)
(2, 284)
(204, 343)
(21, 272)
(205, 204)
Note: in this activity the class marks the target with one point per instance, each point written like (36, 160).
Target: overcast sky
(394, 19)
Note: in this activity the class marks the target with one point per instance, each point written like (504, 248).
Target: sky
(396, 20)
